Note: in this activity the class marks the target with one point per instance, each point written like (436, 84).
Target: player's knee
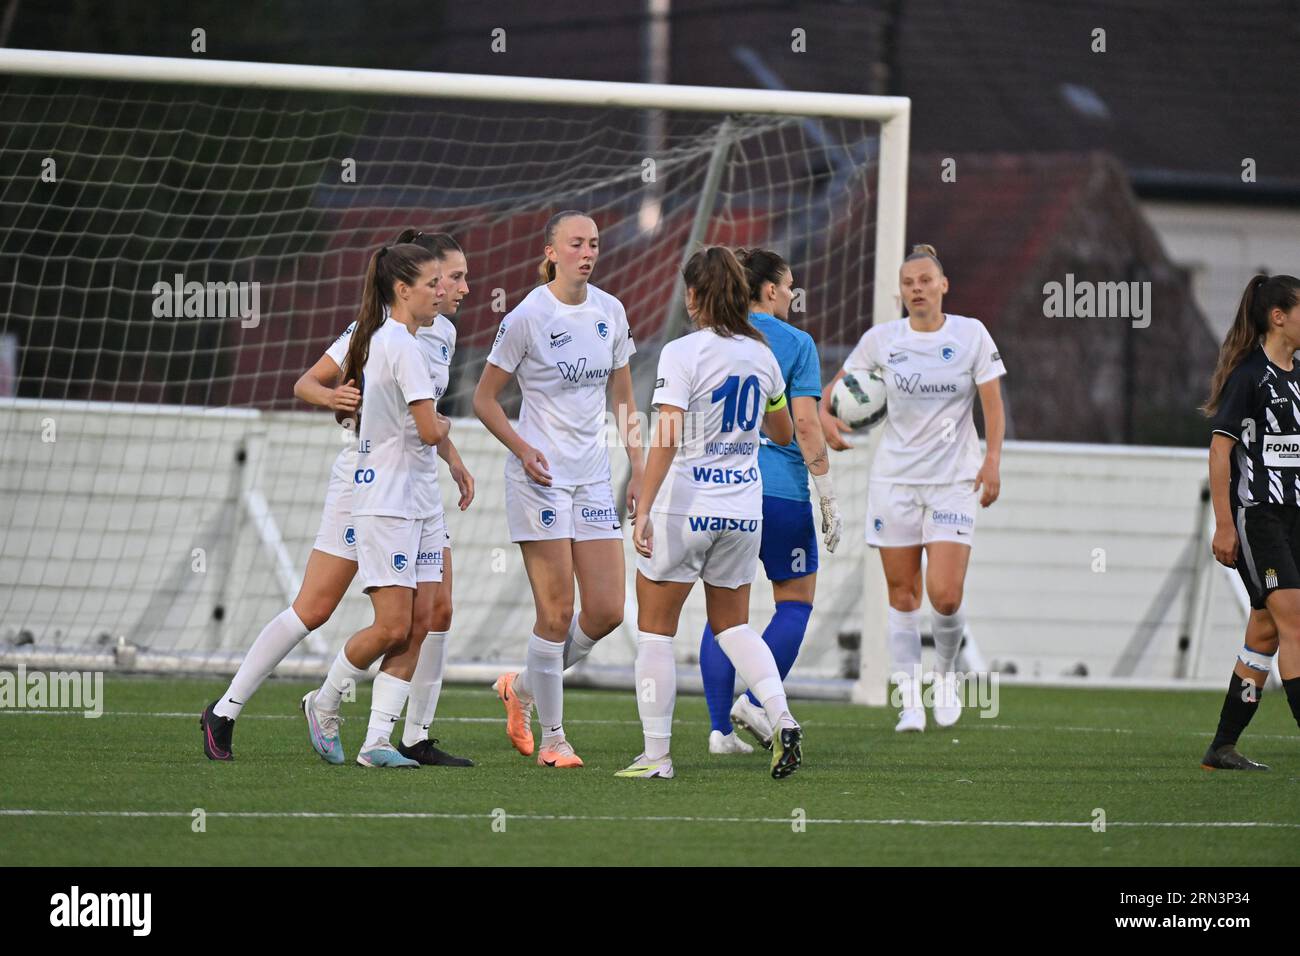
(440, 620)
(945, 602)
(600, 622)
(422, 624)
(903, 599)
(393, 633)
(556, 620)
(312, 613)
(1265, 642)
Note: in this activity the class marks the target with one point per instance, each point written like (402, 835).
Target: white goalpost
(163, 487)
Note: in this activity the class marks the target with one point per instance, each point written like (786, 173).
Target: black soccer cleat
(427, 755)
(787, 752)
(1227, 758)
(218, 734)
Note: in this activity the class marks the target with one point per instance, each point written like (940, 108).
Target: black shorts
(1268, 557)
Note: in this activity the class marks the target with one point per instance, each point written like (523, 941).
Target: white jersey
(438, 343)
(346, 460)
(338, 349)
(563, 356)
(724, 386)
(396, 473)
(930, 385)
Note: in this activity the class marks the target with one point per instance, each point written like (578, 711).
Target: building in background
(1115, 142)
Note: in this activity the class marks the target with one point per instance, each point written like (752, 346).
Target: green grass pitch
(869, 796)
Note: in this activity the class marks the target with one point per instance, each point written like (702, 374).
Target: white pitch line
(817, 724)
(195, 716)
(598, 818)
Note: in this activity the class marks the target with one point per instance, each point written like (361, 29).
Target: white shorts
(899, 516)
(400, 551)
(337, 534)
(723, 552)
(583, 513)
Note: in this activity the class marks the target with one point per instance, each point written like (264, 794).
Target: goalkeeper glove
(832, 523)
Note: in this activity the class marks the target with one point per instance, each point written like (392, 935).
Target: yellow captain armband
(776, 404)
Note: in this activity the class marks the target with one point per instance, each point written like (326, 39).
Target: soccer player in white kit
(332, 563)
(567, 343)
(928, 475)
(702, 505)
(395, 511)
(425, 657)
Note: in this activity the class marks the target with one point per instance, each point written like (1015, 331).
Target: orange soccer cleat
(519, 714)
(558, 754)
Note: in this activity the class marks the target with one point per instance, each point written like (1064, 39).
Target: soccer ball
(859, 400)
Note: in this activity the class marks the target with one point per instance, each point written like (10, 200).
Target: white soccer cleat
(720, 743)
(384, 754)
(745, 716)
(910, 719)
(947, 700)
(645, 769)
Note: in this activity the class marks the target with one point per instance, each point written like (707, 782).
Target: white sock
(546, 679)
(578, 645)
(277, 639)
(341, 675)
(757, 668)
(948, 630)
(656, 691)
(386, 702)
(426, 687)
(905, 655)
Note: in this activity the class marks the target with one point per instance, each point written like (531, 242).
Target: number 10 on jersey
(736, 397)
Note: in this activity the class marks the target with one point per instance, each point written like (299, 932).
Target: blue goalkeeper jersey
(784, 473)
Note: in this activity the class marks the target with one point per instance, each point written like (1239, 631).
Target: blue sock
(784, 635)
(719, 676)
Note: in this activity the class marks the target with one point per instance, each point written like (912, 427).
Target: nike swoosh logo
(326, 741)
(239, 702)
(556, 335)
(212, 744)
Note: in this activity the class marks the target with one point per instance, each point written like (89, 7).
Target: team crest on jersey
(603, 329)
(547, 516)
(399, 561)
(446, 355)
(350, 536)
(1270, 578)
(947, 352)
(879, 525)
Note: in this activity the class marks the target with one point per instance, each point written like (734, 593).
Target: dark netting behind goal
(173, 258)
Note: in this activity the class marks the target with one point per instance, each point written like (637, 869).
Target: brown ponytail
(387, 267)
(721, 292)
(761, 265)
(546, 268)
(1262, 296)
(439, 243)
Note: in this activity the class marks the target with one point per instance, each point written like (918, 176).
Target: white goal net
(181, 240)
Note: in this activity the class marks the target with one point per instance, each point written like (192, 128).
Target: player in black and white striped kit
(1255, 491)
